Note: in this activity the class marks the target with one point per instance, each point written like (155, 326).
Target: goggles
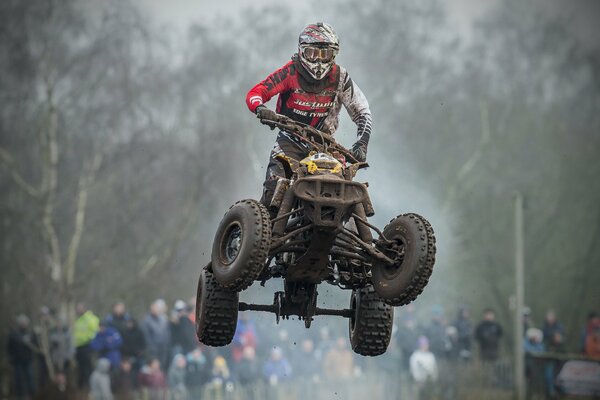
(314, 54)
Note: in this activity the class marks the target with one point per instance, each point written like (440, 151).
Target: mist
(124, 138)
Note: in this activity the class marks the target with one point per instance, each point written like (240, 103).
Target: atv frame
(315, 230)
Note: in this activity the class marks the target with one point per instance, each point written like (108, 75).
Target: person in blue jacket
(107, 344)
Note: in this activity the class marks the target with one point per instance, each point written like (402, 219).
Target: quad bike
(315, 230)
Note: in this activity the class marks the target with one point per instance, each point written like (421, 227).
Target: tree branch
(85, 180)
(50, 182)
(472, 161)
(9, 164)
(187, 218)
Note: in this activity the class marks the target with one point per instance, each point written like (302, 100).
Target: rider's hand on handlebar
(359, 151)
(263, 112)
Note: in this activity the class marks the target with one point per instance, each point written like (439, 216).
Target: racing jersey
(319, 108)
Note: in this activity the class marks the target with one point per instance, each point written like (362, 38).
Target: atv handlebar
(321, 141)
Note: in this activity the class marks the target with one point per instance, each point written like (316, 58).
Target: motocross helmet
(318, 45)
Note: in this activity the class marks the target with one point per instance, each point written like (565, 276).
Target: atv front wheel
(241, 245)
(371, 323)
(216, 311)
(412, 246)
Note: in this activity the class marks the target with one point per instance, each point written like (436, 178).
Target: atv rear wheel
(216, 311)
(241, 245)
(413, 248)
(371, 325)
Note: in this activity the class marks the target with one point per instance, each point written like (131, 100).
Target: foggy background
(124, 137)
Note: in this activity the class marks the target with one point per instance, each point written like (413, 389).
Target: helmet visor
(322, 54)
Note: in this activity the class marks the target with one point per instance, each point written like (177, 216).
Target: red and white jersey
(319, 109)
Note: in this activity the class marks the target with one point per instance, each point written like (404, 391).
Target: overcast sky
(183, 12)
(584, 15)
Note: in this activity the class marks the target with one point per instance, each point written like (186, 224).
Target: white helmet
(318, 45)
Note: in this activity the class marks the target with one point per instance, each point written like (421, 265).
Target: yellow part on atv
(319, 163)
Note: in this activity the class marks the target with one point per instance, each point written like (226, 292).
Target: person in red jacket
(312, 89)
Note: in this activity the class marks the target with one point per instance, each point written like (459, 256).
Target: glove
(359, 151)
(263, 112)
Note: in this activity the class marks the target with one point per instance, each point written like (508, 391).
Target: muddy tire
(414, 250)
(241, 245)
(371, 326)
(216, 311)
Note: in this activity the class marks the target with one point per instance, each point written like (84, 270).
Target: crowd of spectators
(116, 358)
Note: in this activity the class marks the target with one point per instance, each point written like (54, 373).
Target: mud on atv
(319, 233)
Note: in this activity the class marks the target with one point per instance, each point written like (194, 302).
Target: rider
(312, 89)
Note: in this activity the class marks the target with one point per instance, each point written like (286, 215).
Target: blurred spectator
(157, 332)
(61, 345)
(248, 370)
(176, 378)
(423, 367)
(153, 381)
(533, 343)
(591, 337)
(118, 318)
(554, 333)
(488, 334)
(107, 344)
(409, 312)
(42, 331)
(527, 322)
(441, 346)
(183, 332)
(436, 333)
(123, 381)
(277, 368)
(59, 389)
(305, 359)
(453, 352)
(191, 307)
(20, 348)
(245, 336)
(134, 343)
(554, 341)
(304, 362)
(407, 339)
(220, 374)
(464, 329)
(284, 342)
(339, 361)
(324, 344)
(85, 328)
(221, 383)
(198, 372)
(100, 381)
(449, 365)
